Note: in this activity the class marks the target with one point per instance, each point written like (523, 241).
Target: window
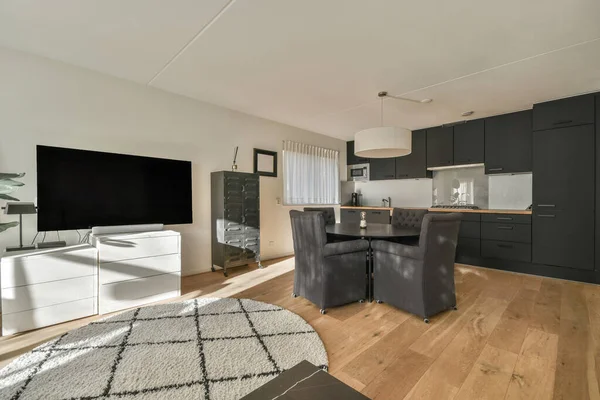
(311, 174)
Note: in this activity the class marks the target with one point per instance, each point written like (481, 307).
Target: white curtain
(311, 174)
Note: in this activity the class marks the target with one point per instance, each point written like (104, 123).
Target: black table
(305, 382)
(373, 231)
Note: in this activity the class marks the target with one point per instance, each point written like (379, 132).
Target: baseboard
(207, 269)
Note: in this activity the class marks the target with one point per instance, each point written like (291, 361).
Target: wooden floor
(513, 337)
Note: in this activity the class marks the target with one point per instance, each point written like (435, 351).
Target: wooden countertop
(461, 210)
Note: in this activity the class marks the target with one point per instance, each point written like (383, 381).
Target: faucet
(388, 201)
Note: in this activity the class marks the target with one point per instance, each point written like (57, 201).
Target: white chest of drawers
(45, 287)
(137, 268)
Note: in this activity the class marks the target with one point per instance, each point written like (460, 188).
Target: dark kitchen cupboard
(597, 182)
(561, 113)
(564, 197)
(414, 165)
(469, 142)
(563, 168)
(351, 159)
(440, 146)
(508, 143)
(382, 168)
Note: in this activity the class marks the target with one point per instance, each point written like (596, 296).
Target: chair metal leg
(323, 311)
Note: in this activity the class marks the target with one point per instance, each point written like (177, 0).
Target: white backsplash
(510, 191)
(404, 192)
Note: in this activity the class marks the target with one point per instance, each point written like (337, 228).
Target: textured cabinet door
(414, 165)
(440, 146)
(351, 159)
(563, 169)
(508, 143)
(469, 142)
(561, 113)
(383, 168)
(563, 238)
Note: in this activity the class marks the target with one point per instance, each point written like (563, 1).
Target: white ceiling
(319, 64)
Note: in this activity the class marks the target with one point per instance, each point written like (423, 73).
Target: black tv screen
(79, 189)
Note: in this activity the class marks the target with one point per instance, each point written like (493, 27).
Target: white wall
(47, 102)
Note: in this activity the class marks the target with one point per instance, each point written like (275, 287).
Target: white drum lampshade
(383, 142)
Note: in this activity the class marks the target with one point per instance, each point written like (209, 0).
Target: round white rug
(200, 349)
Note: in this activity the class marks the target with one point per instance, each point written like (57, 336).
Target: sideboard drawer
(114, 249)
(139, 268)
(46, 294)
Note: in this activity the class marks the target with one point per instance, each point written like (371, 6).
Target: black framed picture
(265, 162)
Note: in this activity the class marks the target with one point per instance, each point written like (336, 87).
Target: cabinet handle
(388, 176)
(402, 175)
(376, 212)
(505, 246)
(566, 121)
(505, 227)
(495, 169)
(546, 205)
(504, 218)
(546, 215)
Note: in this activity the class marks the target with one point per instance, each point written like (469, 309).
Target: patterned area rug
(200, 349)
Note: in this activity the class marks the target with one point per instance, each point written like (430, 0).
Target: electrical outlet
(271, 243)
(278, 201)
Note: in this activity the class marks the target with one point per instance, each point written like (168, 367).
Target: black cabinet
(414, 165)
(440, 147)
(508, 143)
(564, 197)
(506, 250)
(469, 142)
(378, 216)
(563, 168)
(597, 183)
(563, 238)
(351, 159)
(383, 168)
(235, 219)
(564, 112)
(350, 216)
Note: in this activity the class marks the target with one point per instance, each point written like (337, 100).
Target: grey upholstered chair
(331, 274)
(408, 218)
(419, 279)
(328, 213)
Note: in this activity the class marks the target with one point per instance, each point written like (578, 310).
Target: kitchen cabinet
(383, 168)
(561, 113)
(350, 215)
(564, 238)
(520, 233)
(506, 250)
(351, 159)
(469, 142)
(508, 142)
(563, 168)
(378, 216)
(598, 183)
(440, 146)
(564, 197)
(414, 165)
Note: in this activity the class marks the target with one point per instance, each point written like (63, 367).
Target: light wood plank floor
(513, 336)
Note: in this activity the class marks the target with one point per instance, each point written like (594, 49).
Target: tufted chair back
(328, 213)
(408, 218)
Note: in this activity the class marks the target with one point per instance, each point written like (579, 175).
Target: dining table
(372, 231)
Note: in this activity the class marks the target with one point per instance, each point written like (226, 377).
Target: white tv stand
(137, 268)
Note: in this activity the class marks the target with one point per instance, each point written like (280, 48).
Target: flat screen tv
(79, 189)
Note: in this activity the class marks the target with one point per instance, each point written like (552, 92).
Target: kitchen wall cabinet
(508, 143)
(414, 165)
(383, 168)
(573, 111)
(351, 159)
(564, 197)
(469, 142)
(440, 146)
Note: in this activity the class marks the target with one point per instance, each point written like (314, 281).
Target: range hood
(455, 167)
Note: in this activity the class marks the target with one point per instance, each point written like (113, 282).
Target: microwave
(358, 172)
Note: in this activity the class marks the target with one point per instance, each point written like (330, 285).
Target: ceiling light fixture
(467, 113)
(385, 141)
